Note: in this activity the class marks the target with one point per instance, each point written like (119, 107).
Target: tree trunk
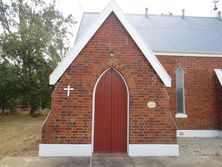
(3, 107)
(32, 111)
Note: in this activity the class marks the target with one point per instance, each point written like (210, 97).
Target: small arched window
(180, 98)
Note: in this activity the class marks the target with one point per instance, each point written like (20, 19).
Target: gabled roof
(111, 7)
(200, 35)
(219, 75)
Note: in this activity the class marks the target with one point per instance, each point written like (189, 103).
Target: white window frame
(181, 115)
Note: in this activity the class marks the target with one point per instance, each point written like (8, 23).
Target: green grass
(20, 134)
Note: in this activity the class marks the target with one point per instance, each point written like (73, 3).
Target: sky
(192, 7)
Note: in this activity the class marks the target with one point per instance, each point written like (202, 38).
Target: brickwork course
(202, 91)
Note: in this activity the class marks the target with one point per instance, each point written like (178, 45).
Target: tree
(34, 40)
(8, 84)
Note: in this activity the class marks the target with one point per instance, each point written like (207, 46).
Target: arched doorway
(110, 117)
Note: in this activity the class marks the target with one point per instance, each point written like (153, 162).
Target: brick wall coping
(219, 75)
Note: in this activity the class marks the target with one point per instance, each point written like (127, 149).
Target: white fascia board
(199, 133)
(111, 7)
(187, 54)
(153, 150)
(219, 75)
(64, 150)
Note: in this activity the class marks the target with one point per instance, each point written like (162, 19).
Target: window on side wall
(180, 97)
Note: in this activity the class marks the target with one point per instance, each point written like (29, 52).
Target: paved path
(195, 161)
(198, 161)
(194, 152)
(44, 162)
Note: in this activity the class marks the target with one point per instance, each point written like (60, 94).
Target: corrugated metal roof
(171, 33)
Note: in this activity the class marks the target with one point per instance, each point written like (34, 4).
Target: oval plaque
(151, 104)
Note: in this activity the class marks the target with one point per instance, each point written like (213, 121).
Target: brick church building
(133, 83)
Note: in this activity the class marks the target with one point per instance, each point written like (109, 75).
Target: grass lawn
(20, 134)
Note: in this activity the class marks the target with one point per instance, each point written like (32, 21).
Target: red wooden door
(110, 124)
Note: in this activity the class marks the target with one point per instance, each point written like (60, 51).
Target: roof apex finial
(183, 13)
(146, 12)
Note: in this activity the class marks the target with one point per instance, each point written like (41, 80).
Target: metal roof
(165, 33)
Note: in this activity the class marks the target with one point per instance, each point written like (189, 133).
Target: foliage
(8, 83)
(33, 41)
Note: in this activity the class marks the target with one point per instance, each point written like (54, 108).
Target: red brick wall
(71, 118)
(201, 90)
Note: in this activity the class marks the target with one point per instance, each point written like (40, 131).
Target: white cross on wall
(68, 89)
